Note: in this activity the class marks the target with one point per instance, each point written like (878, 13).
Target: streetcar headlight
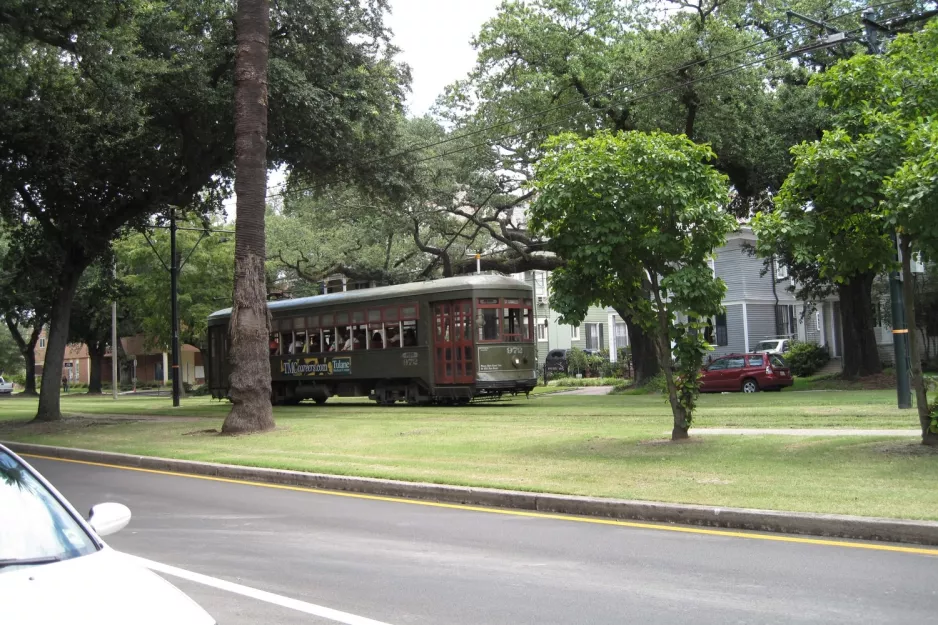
(516, 361)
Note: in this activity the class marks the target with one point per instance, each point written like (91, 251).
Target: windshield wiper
(29, 561)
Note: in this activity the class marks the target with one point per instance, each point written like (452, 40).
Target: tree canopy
(637, 216)
(114, 111)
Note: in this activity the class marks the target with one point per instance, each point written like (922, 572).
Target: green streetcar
(441, 341)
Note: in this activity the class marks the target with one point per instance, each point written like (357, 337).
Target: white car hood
(102, 588)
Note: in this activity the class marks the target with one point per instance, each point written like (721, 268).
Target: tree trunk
(918, 380)
(861, 357)
(644, 353)
(28, 350)
(29, 386)
(96, 351)
(680, 428)
(49, 404)
(249, 327)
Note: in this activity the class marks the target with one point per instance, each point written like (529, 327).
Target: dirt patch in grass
(210, 432)
(905, 449)
(64, 425)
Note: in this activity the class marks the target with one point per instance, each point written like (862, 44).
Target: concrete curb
(828, 525)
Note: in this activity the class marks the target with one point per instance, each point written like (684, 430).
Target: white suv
(773, 346)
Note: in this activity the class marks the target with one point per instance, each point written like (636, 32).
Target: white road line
(261, 595)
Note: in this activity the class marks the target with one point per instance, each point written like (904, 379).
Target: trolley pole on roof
(478, 263)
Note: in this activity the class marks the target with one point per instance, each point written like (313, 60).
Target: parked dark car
(748, 373)
(557, 360)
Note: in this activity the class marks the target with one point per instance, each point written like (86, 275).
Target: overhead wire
(581, 100)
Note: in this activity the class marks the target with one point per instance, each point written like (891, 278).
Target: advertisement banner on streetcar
(314, 367)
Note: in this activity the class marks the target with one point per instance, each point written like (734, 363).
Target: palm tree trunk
(250, 323)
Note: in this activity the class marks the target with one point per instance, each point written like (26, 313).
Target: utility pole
(176, 263)
(114, 349)
(174, 288)
(900, 334)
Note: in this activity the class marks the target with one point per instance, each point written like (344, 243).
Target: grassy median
(614, 446)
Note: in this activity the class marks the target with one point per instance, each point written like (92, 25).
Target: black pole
(900, 334)
(174, 287)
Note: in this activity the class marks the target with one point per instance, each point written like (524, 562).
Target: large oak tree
(113, 111)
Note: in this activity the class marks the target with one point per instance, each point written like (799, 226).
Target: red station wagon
(748, 373)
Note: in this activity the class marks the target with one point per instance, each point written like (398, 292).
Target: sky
(434, 38)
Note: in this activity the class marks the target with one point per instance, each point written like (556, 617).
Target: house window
(541, 332)
(42, 343)
(817, 319)
(594, 336)
(722, 335)
(575, 333)
(622, 335)
(781, 270)
(786, 321)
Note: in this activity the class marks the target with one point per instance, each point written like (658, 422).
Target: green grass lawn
(613, 446)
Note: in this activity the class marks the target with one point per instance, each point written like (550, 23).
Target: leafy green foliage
(11, 360)
(205, 281)
(577, 361)
(654, 233)
(806, 359)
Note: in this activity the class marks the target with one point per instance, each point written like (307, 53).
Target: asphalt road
(405, 563)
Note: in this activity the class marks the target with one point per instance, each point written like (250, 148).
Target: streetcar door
(452, 342)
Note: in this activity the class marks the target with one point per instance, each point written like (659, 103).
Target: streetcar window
(390, 313)
(328, 339)
(511, 324)
(286, 339)
(526, 321)
(409, 311)
(299, 341)
(341, 319)
(392, 333)
(274, 343)
(327, 321)
(487, 322)
(375, 336)
(312, 322)
(359, 334)
(315, 342)
(409, 333)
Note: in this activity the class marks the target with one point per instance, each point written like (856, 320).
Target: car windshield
(34, 527)
(767, 345)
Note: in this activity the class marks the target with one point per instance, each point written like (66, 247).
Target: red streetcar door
(452, 342)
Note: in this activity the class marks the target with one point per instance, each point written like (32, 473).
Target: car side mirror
(108, 518)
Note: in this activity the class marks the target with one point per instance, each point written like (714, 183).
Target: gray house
(759, 304)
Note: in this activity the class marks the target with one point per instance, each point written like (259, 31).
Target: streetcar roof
(443, 285)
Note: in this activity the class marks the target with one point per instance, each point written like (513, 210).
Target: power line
(578, 101)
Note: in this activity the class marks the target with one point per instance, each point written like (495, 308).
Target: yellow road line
(522, 513)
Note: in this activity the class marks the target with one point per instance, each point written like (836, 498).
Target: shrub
(805, 359)
(577, 361)
(199, 390)
(657, 384)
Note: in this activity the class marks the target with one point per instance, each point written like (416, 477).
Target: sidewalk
(801, 432)
(584, 390)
